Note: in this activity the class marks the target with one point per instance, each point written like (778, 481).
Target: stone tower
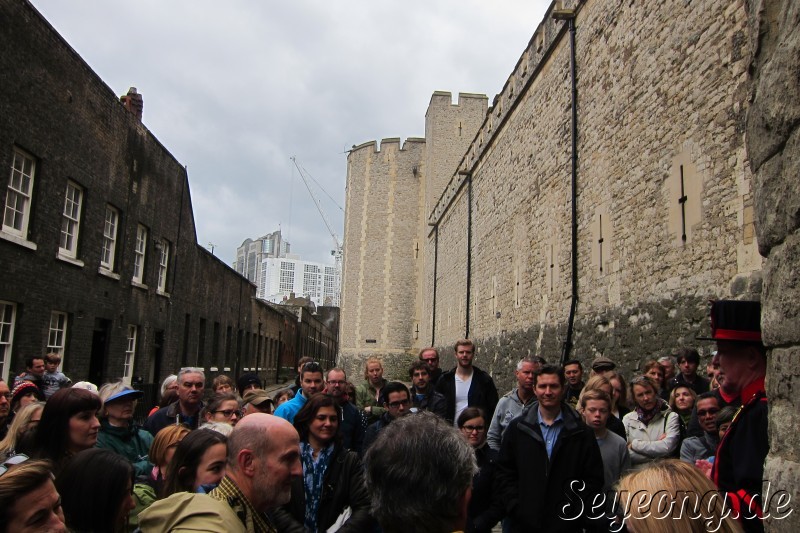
(390, 190)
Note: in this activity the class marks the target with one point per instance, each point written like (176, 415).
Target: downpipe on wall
(569, 16)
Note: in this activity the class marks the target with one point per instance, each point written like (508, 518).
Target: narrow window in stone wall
(8, 315)
(130, 354)
(16, 215)
(139, 254)
(110, 225)
(163, 266)
(57, 334)
(71, 221)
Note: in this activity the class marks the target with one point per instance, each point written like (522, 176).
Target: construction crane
(337, 251)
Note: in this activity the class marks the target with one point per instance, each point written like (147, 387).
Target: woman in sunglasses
(332, 476)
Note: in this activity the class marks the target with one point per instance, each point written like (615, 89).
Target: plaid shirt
(228, 492)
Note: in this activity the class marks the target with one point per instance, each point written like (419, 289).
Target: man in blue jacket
(311, 382)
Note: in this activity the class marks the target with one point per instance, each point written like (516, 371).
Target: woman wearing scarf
(331, 490)
(653, 430)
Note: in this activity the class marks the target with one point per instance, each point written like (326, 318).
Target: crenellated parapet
(532, 60)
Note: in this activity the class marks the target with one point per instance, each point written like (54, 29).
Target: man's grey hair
(417, 471)
(523, 361)
(668, 359)
(191, 370)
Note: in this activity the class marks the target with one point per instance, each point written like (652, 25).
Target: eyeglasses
(472, 429)
(395, 405)
(227, 413)
(11, 461)
(705, 412)
(427, 359)
(6, 395)
(336, 382)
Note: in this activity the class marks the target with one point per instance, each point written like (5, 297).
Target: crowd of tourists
(567, 449)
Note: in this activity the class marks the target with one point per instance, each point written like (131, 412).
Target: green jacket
(186, 511)
(365, 397)
(131, 442)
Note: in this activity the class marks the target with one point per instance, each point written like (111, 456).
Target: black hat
(735, 321)
(247, 380)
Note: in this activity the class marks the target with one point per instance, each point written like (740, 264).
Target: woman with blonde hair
(653, 429)
(368, 394)
(18, 432)
(671, 496)
(681, 400)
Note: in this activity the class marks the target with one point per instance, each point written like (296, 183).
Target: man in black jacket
(550, 469)
(423, 397)
(467, 385)
(353, 424)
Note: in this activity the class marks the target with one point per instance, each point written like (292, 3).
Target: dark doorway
(158, 354)
(99, 354)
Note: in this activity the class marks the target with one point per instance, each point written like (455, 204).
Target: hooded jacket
(131, 442)
(186, 511)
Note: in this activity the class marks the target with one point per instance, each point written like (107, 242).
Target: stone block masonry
(687, 161)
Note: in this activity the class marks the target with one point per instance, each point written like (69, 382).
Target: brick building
(98, 247)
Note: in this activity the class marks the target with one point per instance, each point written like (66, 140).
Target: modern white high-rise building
(267, 263)
(252, 251)
(281, 277)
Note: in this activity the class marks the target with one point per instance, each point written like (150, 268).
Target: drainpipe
(569, 16)
(469, 247)
(435, 264)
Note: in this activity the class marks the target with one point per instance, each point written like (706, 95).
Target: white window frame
(17, 209)
(110, 229)
(71, 220)
(139, 254)
(57, 333)
(130, 353)
(8, 319)
(163, 267)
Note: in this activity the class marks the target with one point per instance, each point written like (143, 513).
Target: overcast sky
(235, 88)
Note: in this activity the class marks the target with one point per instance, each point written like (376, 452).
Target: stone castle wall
(661, 96)
(773, 144)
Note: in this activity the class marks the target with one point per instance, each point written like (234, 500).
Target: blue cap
(127, 394)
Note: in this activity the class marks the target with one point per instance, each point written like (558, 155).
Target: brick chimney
(133, 102)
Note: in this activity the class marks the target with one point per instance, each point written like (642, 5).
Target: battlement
(442, 99)
(533, 58)
(377, 148)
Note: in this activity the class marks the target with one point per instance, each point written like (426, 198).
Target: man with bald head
(263, 457)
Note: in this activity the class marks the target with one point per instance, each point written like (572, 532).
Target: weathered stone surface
(772, 145)
(775, 111)
(782, 478)
(775, 190)
(780, 316)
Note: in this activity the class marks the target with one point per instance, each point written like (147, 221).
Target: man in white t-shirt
(467, 385)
